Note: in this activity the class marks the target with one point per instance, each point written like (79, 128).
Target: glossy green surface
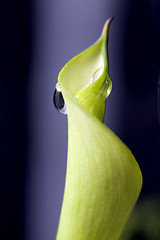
(103, 179)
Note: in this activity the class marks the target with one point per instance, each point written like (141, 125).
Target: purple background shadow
(37, 39)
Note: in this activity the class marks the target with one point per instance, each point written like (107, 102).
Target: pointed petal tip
(106, 26)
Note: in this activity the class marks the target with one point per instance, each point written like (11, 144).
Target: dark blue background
(37, 39)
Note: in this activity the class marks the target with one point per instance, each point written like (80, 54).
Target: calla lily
(103, 179)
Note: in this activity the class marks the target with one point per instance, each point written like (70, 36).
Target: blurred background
(37, 39)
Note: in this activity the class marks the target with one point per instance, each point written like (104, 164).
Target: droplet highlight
(97, 74)
(58, 100)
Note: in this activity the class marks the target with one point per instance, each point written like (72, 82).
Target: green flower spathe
(103, 179)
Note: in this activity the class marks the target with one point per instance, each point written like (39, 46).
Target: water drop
(108, 86)
(97, 74)
(58, 100)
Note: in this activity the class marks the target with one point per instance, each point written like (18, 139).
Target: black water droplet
(58, 101)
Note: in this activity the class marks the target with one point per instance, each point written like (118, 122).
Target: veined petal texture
(103, 179)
